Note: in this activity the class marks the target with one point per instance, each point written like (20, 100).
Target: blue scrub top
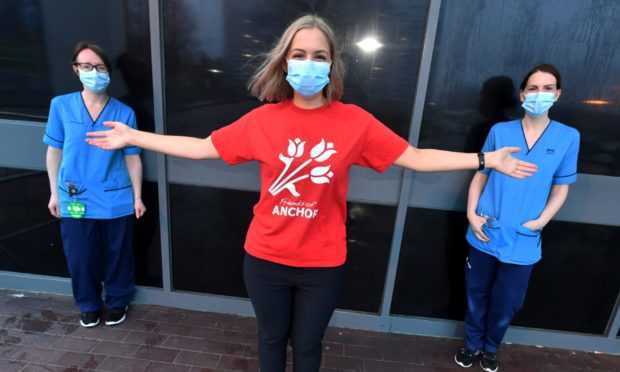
(101, 176)
(510, 202)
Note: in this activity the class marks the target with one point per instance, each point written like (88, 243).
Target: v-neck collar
(529, 149)
(88, 113)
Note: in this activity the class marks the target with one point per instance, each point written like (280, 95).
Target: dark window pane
(485, 47)
(429, 278)
(38, 37)
(369, 236)
(564, 291)
(29, 236)
(147, 240)
(209, 232)
(211, 53)
(30, 239)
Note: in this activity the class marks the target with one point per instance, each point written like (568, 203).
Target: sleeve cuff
(52, 142)
(132, 150)
(565, 180)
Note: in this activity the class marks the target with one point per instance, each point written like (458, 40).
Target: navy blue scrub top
(100, 176)
(510, 202)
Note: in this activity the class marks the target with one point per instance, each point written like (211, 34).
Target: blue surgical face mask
(536, 104)
(95, 81)
(307, 77)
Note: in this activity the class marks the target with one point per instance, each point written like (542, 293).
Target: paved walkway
(40, 332)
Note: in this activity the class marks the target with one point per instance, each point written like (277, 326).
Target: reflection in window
(37, 41)
(29, 236)
(484, 48)
(212, 49)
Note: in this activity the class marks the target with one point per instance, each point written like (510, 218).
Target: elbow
(410, 159)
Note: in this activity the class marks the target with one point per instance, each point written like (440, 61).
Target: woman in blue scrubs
(506, 217)
(95, 193)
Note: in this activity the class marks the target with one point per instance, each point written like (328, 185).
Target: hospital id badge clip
(75, 208)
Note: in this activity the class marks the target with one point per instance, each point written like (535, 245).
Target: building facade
(437, 72)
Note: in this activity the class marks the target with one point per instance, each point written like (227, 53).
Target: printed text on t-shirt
(300, 208)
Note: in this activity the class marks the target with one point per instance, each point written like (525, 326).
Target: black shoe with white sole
(488, 362)
(89, 319)
(466, 358)
(116, 315)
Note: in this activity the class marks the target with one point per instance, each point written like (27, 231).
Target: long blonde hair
(269, 81)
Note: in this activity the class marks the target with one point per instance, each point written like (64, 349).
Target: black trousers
(293, 304)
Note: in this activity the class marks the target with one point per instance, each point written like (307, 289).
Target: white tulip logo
(318, 175)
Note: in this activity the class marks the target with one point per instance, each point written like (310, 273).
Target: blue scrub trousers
(495, 292)
(100, 250)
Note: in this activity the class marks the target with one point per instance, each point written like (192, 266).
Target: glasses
(87, 67)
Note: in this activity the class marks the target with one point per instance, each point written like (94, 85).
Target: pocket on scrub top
(74, 128)
(524, 231)
(527, 245)
(494, 231)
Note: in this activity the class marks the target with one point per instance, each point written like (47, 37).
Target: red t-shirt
(304, 157)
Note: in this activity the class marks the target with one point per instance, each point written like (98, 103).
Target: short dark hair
(545, 67)
(98, 50)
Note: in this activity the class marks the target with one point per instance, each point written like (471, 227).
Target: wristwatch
(480, 160)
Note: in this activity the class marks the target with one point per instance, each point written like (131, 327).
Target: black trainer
(465, 357)
(488, 362)
(116, 315)
(89, 319)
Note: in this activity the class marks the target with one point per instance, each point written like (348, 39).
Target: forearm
(52, 162)
(557, 197)
(431, 160)
(475, 190)
(134, 168)
(180, 146)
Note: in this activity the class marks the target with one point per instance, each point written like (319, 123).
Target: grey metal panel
(145, 295)
(614, 326)
(592, 199)
(35, 283)
(149, 162)
(365, 185)
(159, 115)
(416, 123)
(214, 173)
(21, 144)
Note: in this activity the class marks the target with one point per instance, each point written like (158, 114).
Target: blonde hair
(269, 81)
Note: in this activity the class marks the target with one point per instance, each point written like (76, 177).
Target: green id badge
(76, 209)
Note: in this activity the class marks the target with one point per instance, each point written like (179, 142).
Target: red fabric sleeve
(232, 142)
(381, 146)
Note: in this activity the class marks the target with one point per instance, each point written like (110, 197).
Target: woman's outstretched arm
(122, 136)
(430, 160)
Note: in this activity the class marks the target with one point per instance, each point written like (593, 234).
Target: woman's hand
(116, 138)
(139, 208)
(503, 162)
(476, 222)
(533, 225)
(53, 206)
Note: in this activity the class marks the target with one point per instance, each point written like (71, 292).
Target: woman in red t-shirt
(305, 144)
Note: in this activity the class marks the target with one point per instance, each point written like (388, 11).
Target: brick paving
(40, 332)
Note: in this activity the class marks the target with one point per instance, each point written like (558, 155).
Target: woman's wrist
(490, 159)
(131, 140)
